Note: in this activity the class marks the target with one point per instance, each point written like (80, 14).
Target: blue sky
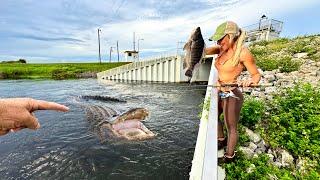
(66, 30)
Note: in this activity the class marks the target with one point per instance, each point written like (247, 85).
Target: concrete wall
(167, 69)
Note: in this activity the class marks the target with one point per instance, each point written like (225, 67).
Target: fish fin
(187, 49)
(184, 65)
(195, 71)
(203, 54)
(187, 46)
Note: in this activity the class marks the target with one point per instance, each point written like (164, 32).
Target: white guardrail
(204, 163)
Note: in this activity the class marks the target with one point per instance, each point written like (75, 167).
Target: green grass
(271, 55)
(51, 71)
(290, 121)
(294, 121)
(261, 168)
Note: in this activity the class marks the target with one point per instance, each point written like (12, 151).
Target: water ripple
(67, 147)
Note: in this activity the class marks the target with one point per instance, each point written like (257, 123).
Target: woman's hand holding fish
(17, 113)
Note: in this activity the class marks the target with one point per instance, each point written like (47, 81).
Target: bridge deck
(166, 69)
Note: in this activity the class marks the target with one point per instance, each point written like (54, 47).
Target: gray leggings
(230, 107)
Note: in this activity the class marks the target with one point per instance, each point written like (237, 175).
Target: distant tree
(22, 61)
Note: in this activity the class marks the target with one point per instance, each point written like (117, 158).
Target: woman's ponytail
(239, 41)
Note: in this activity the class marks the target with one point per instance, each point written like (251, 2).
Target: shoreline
(57, 71)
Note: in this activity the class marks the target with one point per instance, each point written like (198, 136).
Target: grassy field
(51, 71)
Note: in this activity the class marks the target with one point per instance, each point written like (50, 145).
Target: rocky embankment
(278, 157)
(309, 72)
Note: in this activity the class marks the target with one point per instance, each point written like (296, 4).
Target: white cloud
(160, 30)
(161, 34)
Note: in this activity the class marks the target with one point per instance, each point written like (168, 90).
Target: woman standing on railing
(232, 59)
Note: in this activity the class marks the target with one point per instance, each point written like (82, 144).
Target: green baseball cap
(223, 29)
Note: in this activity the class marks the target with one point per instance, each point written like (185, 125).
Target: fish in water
(127, 125)
(102, 98)
(194, 51)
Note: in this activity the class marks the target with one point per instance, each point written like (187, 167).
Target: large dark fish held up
(194, 51)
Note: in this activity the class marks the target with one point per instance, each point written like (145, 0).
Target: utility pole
(99, 30)
(178, 46)
(138, 48)
(134, 41)
(118, 49)
(110, 53)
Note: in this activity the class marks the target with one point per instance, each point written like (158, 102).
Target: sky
(66, 30)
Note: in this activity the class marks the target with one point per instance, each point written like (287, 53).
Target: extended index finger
(45, 105)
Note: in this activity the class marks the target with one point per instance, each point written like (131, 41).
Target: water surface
(66, 147)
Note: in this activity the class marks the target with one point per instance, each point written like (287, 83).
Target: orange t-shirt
(229, 74)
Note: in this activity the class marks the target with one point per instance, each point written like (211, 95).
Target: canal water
(65, 147)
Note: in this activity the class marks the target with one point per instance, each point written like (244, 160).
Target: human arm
(17, 113)
(249, 62)
(212, 50)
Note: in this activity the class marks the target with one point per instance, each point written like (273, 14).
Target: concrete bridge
(165, 69)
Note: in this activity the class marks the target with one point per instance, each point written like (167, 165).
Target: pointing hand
(17, 113)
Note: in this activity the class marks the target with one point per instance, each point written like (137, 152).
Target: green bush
(267, 64)
(23, 61)
(294, 121)
(244, 139)
(315, 57)
(288, 65)
(298, 46)
(281, 41)
(271, 55)
(59, 74)
(204, 105)
(260, 43)
(262, 169)
(251, 112)
(284, 64)
(259, 52)
(12, 74)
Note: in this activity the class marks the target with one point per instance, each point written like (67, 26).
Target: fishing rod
(217, 86)
(233, 85)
